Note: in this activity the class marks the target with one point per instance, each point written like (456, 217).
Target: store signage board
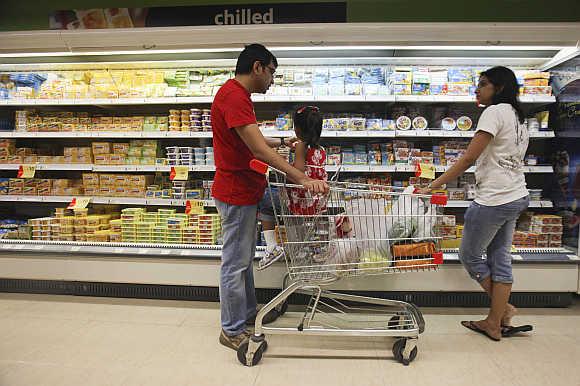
(230, 14)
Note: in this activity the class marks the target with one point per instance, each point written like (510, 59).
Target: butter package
(122, 180)
(29, 191)
(91, 190)
(120, 191)
(30, 182)
(85, 151)
(101, 148)
(140, 180)
(117, 159)
(83, 159)
(102, 159)
(15, 190)
(15, 159)
(106, 191)
(136, 192)
(70, 151)
(16, 183)
(446, 220)
(30, 159)
(90, 179)
(120, 148)
(106, 179)
(546, 220)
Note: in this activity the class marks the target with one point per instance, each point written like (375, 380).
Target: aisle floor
(60, 340)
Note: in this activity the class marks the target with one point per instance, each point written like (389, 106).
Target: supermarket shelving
(536, 99)
(181, 203)
(429, 133)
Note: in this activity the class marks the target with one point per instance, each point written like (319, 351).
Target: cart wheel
(243, 349)
(399, 347)
(282, 308)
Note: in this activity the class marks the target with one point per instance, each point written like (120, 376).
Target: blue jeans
(489, 230)
(237, 291)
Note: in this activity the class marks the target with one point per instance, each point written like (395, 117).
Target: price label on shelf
(79, 202)
(26, 171)
(425, 170)
(194, 207)
(179, 173)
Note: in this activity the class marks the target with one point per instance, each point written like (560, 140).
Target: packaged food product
(546, 219)
(420, 123)
(404, 123)
(456, 193)
(413, 250)
(448, 124)
(464, 123)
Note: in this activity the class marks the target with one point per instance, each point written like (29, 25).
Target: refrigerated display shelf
(211, 168)
(214, 251)
(538, 99)
(174, 202)
(428, 133)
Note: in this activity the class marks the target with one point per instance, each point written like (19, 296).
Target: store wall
(31, 15)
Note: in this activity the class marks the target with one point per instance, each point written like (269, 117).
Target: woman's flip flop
(470, 325)
(507, 331)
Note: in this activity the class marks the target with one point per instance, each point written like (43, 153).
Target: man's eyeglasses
(271, 69)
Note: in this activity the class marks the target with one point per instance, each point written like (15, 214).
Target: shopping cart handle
(437, 258)
(258, 166)
(439, 199)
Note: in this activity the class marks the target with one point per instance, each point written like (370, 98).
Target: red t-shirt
(234, 182)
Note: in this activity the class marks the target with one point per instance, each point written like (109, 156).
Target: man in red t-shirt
(237, 189)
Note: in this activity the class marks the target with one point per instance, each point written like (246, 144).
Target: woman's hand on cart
(315, 186)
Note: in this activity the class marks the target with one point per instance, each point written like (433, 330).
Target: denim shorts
(265, 207)
(487, 239)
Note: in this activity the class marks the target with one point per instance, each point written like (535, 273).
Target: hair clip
(301, 109)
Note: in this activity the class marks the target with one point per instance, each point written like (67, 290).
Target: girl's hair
(505, 80)
(308, 121)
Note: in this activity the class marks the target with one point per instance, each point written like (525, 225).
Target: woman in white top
(497, 149)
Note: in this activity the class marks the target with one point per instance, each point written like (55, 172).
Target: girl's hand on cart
(315, 186)
(291, 142)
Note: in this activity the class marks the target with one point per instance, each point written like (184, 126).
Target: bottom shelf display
(130, 225)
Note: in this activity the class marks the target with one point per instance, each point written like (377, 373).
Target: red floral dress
(301, 201)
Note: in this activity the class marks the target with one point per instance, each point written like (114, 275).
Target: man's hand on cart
(315, 186)
(425, 190)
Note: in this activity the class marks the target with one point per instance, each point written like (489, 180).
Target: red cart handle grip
(439, 199)
(437, 258)
(258, 166)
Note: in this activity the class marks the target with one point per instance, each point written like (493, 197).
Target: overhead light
(281, 48)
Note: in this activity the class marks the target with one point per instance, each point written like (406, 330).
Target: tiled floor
(61, 341)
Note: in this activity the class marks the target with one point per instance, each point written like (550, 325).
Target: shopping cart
(353, 230)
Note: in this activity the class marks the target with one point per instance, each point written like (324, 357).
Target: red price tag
(79, 203)
(26, 171)
(179, 173)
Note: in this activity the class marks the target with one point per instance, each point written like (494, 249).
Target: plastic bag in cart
(410, 217)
